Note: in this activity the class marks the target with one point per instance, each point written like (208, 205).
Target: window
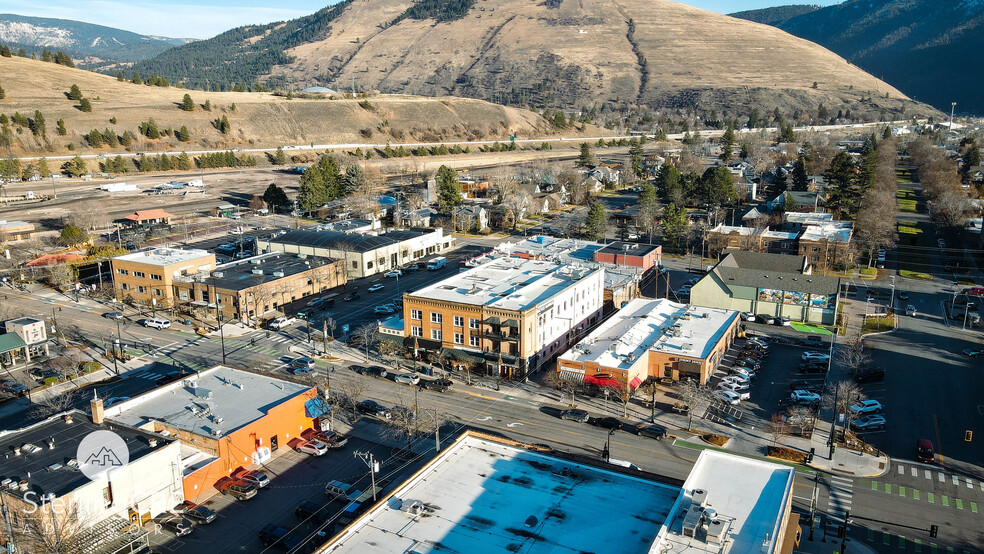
(416, 314)
(459, 321)
(436, 334)
(472, 323)
(156, 277)
(141, 290)
(436, 317)
(140, 274)
(124, 286)
(459, 338)
(157, 292)
(369, 265)
(473, 340)
(815, 249)
(416, 331)
(122, 271)
(355, 265)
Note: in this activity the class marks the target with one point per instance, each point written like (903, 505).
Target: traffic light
(934, 530)
(968, 435)
(841, 531)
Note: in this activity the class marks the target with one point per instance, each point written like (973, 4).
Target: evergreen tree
(184, 162)
(2, 94)
(728, 143)
(279, 158)
(207, 106)
(10, 168)
(786, 133)
(674, 224)
(635, 154)
(187, 104)
(648, 208)
(823, 114)
(75, 167)
(844, 195)
(72, 236)
(319, 184)
(38, 124)
(718, 186)
(85, 105)
(780, 182)
(43, 170)
(60, 128)
(276, 198)
(136, 79)
(5, 51)
(448, 189)
(94, 138)
(354, 180)
(596, 222)
(149, 129)
(585, 158)
(668, 183)
(74, 93)
(45, 55)
(119, 76)
(21, 53)
(801, 181)
(183, 134)
(127, 139)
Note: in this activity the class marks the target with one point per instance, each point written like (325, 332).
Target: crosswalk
(939, 476)
(890, 541)
(840, 494)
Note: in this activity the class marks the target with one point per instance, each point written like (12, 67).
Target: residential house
(471, 217)
(727, 237)
(602, 173)
(417, 218)
(807, 202)
(148, 218)
(15, 231)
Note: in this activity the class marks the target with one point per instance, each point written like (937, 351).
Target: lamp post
(218, 319)
(953, 106)
(607, 452)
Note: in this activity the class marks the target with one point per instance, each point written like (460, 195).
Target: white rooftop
(659, 325)
(808, 218)
(779, 235)
(216, 401)
(484, 496)
(729, 229)
(506, 283)
(565, 251)
(750, 509)
(837, 231)
(164, 256)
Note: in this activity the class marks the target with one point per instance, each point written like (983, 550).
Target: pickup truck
(282, 322)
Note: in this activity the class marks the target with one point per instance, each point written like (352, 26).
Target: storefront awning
(465, 356)
(634, 384)
(316, 407)
(572, 375)
(493, 321)
(604, 381)
(511, 323)
(422, 344)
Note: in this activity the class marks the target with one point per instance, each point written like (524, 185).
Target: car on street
(925, 452)
(282, 322)
(657, 432)
(413, 267)
(869, 423)
(256, 478)
(114, 401)
(312, 448)
(610, 423)
(910, 310)
(282, 539)
(113, 315)
(202, 515)
(331, 439)
(176, 524)
(804, 397)
(394, 273)
(240, 490)
(439, 385)
(302, 363)
(373, 408)
(384, 309)
(575, 415)
(903, 295)
(352, 296)
(372, 371)
(377, 286)
(866, 407)
(814, 356)
(13, 387)
(973, 352)
(870, 375)
(407, 378)
(156, 323)
(727, 396)
(766, 319)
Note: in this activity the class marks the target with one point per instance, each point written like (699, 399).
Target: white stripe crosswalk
(840, 494)
(940, 476)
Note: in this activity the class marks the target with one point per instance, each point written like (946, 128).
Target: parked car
(384, 309)
(869, 423)
(331, 439)
(407, 378)
(727, 396)
(811, 356)
(202, 515)
(611, 423)
(783, 321)
(13, 387)
(811, 386)
(747, 316)
(736, 378)
(377, 286)
(804, 397)
(575, 415)
(413, 267)
(754, 354)
(749, 363)
(240, 490)
(310, 511)
(176, 524)
(156, 323)
(372, 371)
(373, 408)
(312, 448)
(925, 452)
(271, 535)
(866, 407)
(282, 322)
(741, 370)
(653, 431)
(394, 273)
(742, 390)
(439, 385)
(256, 478)
(766, 319)
(903, 295)
(870, 375)
(113, 315)
(302, 363)
(813, 367)
(812, 340)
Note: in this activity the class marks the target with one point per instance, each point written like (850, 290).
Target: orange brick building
(147, 277)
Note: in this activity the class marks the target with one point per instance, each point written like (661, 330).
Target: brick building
(147, 277)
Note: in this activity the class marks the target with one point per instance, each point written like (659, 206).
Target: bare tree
(554, 380)
(349, 392)
(86, 214)
(330, 324)
(693, 394)
(66, 530)
(854, 356)
(367, 335)
(841, 397)
(776, 427)
(409, 420)
(48, 404)
(800, 418)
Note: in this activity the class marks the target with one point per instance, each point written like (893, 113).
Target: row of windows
(437, 334)
(435, 317)
(139, 274)
(142, 289)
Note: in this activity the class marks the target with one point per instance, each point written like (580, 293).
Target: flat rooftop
(258, 270)
(570, 251)
(731, 229)
(808, 218)
(164, 256)
(629, 248)
(486, 496)
(214, 402)
(837, 231)
(750, 508)
(506, 283)
(658, 325)
(48, 450)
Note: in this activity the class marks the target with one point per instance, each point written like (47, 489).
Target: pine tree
(727, 143)
(207, 106)
(183, 134)
(75, 93)
(75, 167)
(648, 208)
(448, 189)
(187, 104)
(110, 138)
(45, 55)
(668, 183)
(276, 198)
(280, 158)
(354, 180)
(136, 79)
(596, 222)
(94, 138)
(2, 94)
(5, 52)
(184, 161)
(801, 181)
(85, 105)
(843, 193)
(43, 170)
(119, 76)
(674, 224)
(38, 124)
(635, 154)
(585, 158)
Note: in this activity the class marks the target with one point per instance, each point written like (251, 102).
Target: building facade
(147, 277)
(509, 316)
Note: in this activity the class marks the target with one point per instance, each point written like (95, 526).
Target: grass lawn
(878, 324)
(913, 263)
(907, 200)
(904, 175)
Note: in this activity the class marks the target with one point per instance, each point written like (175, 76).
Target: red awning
(635, 383)
(602, 381)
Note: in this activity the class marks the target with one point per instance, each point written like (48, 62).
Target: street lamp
(218, 318)
(607, 452)
(953, 106)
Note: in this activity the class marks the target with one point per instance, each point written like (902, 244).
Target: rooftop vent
(218, 274)
(691, 521)
(278, 273)
(699, 497)
(257, 272)
(717, 530)
(203, 393)
(216, 432)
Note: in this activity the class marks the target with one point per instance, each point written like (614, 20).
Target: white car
(313, 448)
(394, 273)
(282, 322)
(407, 378)
(375, 287)
(741, 390)
(910, 310)
(727, 396)
(866, 407)
(157, 323)
(256, 478)
(737, 378)
(814, 357)
(804, 397)
(742, 371)
(747, 316)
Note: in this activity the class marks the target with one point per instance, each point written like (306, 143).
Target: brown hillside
(652, 52)
(259, 119)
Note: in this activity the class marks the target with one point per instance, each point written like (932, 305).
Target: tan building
(13, 231)
(509, 316)
(257, 288)
(651, 338)
(828, 245)
(147, 277)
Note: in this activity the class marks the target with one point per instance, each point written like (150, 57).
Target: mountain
(556, 53)
(929, 49)
(776, 14)
(82, 41)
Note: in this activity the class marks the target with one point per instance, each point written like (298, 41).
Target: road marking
(946, 500)
(959, 503)
(931, 497)
(915, 494)
(841, 480)
(973, 507)
(915, 472)
(512, 424)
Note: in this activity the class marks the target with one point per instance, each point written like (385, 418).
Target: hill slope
(81, 40)
(929, 49)
(775, 15)
(553, 53)
(259, 119)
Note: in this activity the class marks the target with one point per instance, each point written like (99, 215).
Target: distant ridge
(775, 15)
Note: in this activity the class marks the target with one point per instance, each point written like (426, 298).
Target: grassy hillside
(260, 119)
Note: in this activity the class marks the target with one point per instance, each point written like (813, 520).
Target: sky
(207, 18)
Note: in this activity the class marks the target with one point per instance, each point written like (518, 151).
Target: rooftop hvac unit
(257, 272)
(217, 274)
(699, 497)
(717, 531)
(278, 273)
(632, 356)
(203, 393)
(216, 432)
(691, 521)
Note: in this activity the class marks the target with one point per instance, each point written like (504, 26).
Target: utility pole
(368, 458)
(953, 106)
(813, 503)
(218, 319)
(437, 432)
